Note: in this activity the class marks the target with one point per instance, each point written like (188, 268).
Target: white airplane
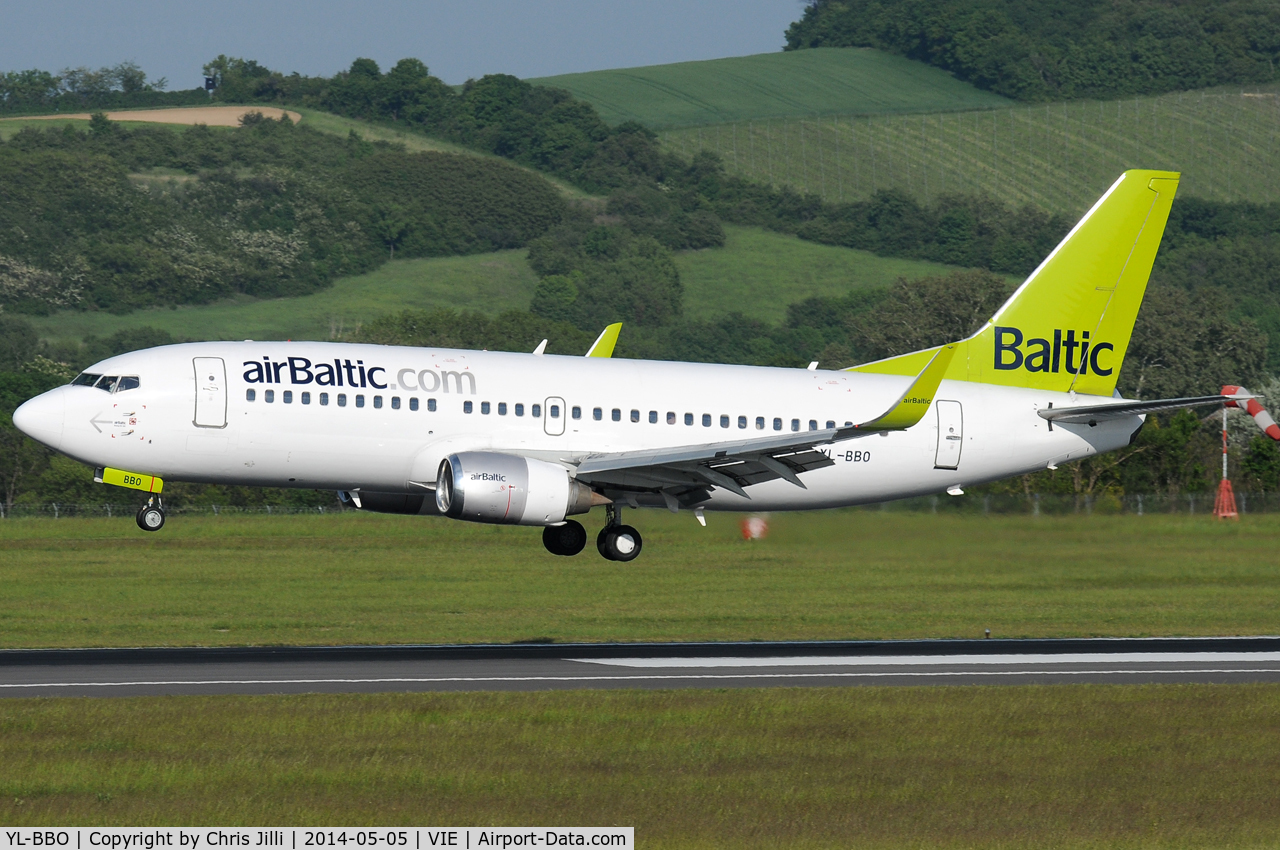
(534, 439)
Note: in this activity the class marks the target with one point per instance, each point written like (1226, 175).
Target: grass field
(757, 273)
(364, 578)
(1060, 157)
(489, 283)
(824, 81)
(1044, 767)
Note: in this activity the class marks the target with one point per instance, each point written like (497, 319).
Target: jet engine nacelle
(508, 489)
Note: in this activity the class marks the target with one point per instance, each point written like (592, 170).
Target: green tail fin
(1068, 325)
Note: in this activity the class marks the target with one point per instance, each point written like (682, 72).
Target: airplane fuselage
(382, 418)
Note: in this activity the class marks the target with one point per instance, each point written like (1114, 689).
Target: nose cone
(41, 418)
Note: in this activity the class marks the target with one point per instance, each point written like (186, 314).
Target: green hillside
(757, 273)
(1060, 156)
(771, 85)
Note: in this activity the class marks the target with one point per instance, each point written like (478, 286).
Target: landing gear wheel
(151, 518)
(568, 539)
(619, 542)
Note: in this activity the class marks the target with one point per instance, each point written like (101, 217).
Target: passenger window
(831, 423)
(653, 417)
(536, 411)
(635, 416)
(616, 415)
(519, 410)
(848, 424)
(671, 417)
(484, 408)
(413, 403)
(813, 424)
(724, 421)
(359, 400)
(268, 396)
(342, 399)
(577, 412)
(128, 382)
(466, 407)
(288, 396)
(795, 424)
(759, 423)
(431, 405)
(85, 379)
(377, 402)
(502, 408)
(706, 420)
(777, 424)
(250, 395)
(306, 398)
(555, 411)
(742, 422)
(597, 414)
(688, 419)
(324, 399)
(395, 402)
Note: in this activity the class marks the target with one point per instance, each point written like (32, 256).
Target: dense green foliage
(117, 218)
(80, 89)
(1043, 50)
(541, 127)
(771, 85)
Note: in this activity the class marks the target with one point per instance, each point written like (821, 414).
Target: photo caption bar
(302, 838)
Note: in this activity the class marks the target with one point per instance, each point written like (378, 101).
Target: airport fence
(1034, 504)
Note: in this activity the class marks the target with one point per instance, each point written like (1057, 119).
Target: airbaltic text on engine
(344, 373)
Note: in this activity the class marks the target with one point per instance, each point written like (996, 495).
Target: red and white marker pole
(1225, 506)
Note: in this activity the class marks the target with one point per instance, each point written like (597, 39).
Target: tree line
(80, 89)
(1043, 50)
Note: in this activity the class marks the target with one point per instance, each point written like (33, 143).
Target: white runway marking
(635, 678)
(941, 660)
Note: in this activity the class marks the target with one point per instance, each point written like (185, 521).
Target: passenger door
(211, 392)
(950, 435)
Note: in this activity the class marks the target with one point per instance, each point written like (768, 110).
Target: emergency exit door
(211, 392)
(553, 416)
(950, 435)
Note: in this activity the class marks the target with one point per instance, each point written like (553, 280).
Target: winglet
(603, 346)
(542, 346)
(915, 402)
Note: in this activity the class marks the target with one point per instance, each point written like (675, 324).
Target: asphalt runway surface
(537, 667)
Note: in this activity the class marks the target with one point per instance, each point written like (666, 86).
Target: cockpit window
(128, 382)
(107, 382)
(85, 379)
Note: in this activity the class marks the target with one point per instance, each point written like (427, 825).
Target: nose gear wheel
(151, 516)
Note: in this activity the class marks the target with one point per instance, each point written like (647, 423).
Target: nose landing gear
(618, 542)
(151, 515)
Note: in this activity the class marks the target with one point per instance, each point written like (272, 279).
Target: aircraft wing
(1095, 413)
(685, 473)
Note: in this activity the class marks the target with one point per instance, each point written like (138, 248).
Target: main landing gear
(569, 538)
(151, 515)
(616, 542)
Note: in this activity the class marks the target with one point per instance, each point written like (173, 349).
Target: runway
(536, 667)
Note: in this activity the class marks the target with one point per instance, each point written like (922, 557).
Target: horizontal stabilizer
(1095, 413)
